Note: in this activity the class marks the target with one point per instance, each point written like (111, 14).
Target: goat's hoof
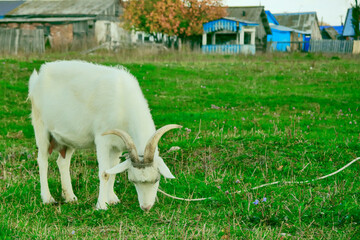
(102, 206)
(49, 200)
(72, 199)
(113, 200)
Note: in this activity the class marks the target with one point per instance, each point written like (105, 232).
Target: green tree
(355, 19)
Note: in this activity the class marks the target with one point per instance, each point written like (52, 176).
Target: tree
(180, 18)
(355, 19)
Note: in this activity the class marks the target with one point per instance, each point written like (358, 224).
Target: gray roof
(7, 6)
(65, 7)
(239, 20)
(285, 29)
(46, 19)
(331, 32)
(299, 21)
(252, 14)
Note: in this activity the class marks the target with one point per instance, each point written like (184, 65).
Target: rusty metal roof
(65, 7)
(300, 21)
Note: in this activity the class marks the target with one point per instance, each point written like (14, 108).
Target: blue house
(229, 35)
(283, 38)
(348, 31)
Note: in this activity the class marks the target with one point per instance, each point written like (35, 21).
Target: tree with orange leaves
(180, 18)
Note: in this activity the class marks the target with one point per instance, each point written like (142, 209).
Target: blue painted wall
(229, 49)
(220, 24)
(281, 37)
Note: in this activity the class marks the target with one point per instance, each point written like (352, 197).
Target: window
(247, 38)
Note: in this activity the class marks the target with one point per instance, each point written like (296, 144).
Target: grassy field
(247, 121)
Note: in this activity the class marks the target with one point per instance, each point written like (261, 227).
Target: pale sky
(330, 11)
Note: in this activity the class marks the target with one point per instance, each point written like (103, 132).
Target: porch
(229, 36)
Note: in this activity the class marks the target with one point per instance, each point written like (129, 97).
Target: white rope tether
(265, 185)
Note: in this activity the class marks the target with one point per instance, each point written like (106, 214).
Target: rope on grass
(267, 184)
(183, 199)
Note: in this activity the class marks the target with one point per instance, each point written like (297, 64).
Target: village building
(305, 21)
(284, 39)
(229, 35)
(331, 32)
(348, 32)
(69, 23)
(257, 15)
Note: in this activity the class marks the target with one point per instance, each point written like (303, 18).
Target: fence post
(17, 33)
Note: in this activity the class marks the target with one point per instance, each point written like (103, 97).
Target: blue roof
(7, 6)
(226, 23)
(339, 29)
(348, 26)
(296, 13)
(271, 18)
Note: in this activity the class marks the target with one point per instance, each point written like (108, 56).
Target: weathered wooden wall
(331, 46)
(22, 40)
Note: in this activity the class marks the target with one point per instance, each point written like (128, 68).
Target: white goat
(76, 104)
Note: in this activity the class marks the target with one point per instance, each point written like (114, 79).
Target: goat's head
(144, 171)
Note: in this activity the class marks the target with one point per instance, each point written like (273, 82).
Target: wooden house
(284, 39)
(69, 22)
(229, 35)
(257, 15)
(305, 21)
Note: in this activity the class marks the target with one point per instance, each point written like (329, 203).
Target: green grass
(247, 121)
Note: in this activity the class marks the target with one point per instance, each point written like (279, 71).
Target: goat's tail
(41, 134)
(32, 81)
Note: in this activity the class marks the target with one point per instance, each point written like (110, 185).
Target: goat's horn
(129, 143)
(153, 141)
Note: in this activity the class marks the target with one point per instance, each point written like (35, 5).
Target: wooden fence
(22, 40)
(331, 46)
(356, 47)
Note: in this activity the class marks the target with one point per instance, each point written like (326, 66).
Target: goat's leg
(64, 168)
(43, 171)
(112, 198)
(42, 142)
(103, 157)
(42, 160)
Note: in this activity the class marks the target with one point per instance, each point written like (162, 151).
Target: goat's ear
(164, 170)
(121, 167)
